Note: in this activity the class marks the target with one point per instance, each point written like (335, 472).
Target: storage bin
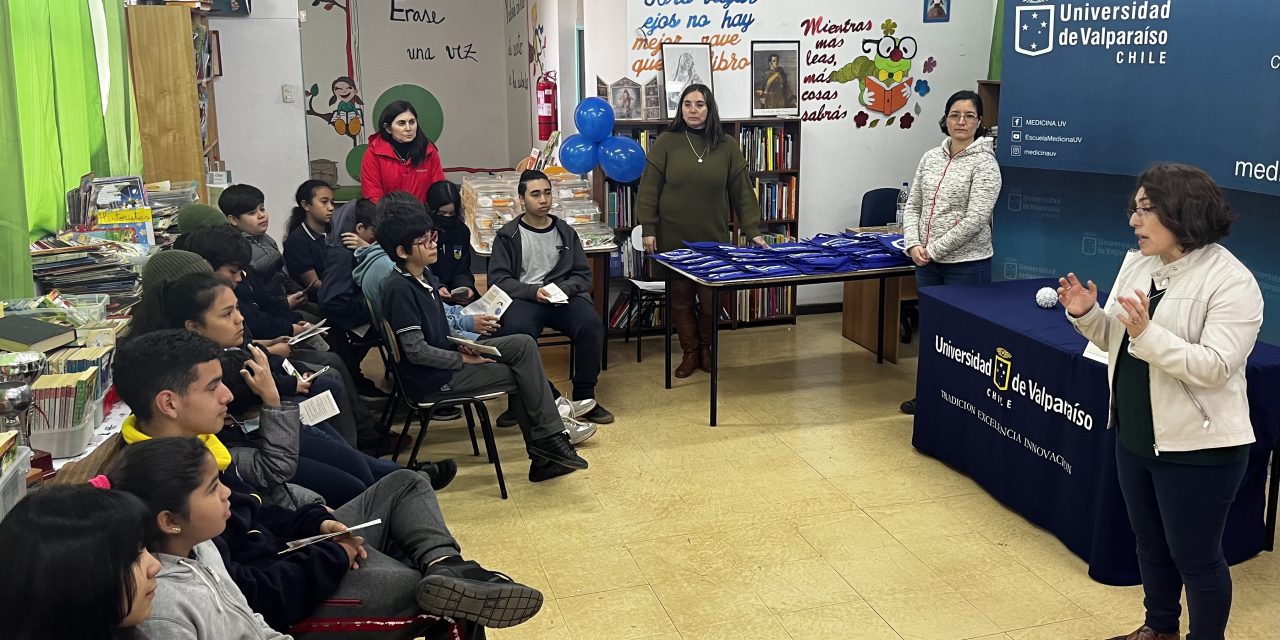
(13, 484)
(84, 309)
(72, 441)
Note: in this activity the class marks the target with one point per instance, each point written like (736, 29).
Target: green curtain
(997, 43)
(52, 57)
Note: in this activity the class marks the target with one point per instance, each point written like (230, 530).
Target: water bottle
(902, 205)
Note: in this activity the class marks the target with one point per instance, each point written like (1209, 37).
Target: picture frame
(652, 99)
(626, 99)
(775, 76)
(937, 10)
(215, 54)
(683, 64)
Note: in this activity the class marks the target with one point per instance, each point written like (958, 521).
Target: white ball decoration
(1047, 297)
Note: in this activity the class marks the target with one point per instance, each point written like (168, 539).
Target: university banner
(1112, 86)
(1005, 396)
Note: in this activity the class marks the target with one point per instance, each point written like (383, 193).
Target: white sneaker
(574, 408)
(578, 430)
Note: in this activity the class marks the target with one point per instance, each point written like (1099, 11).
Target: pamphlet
(317, 409)
(313, 330)
(495, 302)
(555, 295)
(294, 545)
(479, 348)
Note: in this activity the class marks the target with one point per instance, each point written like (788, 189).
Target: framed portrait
(653, 99)
(937, 10)
(683, 64)
(775, 76)
(602, 88)
(625, 98)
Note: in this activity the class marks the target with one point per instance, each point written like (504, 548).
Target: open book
(306, 542)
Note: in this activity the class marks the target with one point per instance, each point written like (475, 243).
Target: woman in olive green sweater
(695, 178)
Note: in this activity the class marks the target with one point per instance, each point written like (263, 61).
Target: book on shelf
(624, 308)
(21, 333)
(767, 148)
(64, 400)
(777, 197)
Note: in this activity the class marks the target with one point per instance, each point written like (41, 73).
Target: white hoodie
(951, 201)
(196, 598)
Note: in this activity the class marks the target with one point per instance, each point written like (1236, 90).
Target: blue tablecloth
(990, 362)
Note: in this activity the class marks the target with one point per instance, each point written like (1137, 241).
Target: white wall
(839, 161)
(262, 139)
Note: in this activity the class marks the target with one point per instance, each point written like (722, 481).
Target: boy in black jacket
(533, 252)
(173, 381)
(435, 367)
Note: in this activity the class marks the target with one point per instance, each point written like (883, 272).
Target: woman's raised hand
(1078, 298)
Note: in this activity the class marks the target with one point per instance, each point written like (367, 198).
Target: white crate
(13, 484)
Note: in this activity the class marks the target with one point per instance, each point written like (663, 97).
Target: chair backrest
(389, 339)
(879, 207)
(637, 239)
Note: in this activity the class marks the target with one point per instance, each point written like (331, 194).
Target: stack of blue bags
(822, 254)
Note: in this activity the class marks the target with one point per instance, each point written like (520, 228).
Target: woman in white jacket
(1180, 323)
(947, 222)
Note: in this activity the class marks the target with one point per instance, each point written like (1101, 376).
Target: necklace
(695, 151)
(403, 160)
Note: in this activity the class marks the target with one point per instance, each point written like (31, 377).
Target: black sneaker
(540, 470)
(556, 449)
(507, 419)
(445, 414)
(463, 589)
(598, 415)
(440, 472)
(908, 407)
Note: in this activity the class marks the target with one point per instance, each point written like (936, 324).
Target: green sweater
(681, 200)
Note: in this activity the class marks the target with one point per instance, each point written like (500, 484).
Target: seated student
(245, 206)
(76, 566)
(533, 251)
(326, 464)
(161, 268)
(453, 269)
(306, 229)
(187, 507)
(205, 304)
(267, 315)
(372, 268)
(434, 365)
(173, 382)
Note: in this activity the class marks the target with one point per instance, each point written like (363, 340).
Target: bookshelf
(772, 149)
(169, 53)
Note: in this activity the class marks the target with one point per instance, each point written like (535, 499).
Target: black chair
(879, 207)
(422, 407)
(645, 295)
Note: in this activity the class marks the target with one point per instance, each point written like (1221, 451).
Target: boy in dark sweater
(531, 254)
(435, 367)
(172, 380)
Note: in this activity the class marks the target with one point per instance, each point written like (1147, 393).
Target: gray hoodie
(196, 598)
(951, 201)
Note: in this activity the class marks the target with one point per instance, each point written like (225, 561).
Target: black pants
(1178, 513)
(578, 320)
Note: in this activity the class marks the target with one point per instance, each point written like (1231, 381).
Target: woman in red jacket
(399, 157)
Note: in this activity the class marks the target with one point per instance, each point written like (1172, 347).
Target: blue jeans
(937, 273)
(1178, 513)
(328, 465)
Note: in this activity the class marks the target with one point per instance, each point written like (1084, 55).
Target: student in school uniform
(304, 248)
(532, 253)
(453, 268)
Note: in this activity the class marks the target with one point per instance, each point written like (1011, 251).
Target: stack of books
(77, 264)
(83, 359)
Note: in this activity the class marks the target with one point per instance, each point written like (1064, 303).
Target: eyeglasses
(961, 117)
(1141, 211)
(427, 240)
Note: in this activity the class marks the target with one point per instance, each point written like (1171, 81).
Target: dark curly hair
(1188, 203)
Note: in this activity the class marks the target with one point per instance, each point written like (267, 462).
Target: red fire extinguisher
(547, 119)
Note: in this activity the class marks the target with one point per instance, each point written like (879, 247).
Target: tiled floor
(806, 514)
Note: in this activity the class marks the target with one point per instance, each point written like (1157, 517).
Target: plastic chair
(645, 294)
(879, 207)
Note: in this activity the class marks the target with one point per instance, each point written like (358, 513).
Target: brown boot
(686, 325)
(1147, 633)
(704, 329)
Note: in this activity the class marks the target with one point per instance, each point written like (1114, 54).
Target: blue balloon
(578, 154)
(594, 118)
(622, 158)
